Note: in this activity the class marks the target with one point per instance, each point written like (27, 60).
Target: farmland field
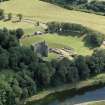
(42, 11)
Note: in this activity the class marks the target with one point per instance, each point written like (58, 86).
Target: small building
(103, 42)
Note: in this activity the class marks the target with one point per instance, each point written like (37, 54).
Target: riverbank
(94, 81)
(101, 102)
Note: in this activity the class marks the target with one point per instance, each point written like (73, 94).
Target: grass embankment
(57, 41)
(101, 102)
(90, 82)
(42, 11)
(98, 103)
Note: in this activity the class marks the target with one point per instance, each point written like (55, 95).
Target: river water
(65, 98)
(96, 95)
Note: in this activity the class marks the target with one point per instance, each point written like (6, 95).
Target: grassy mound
(56, 41)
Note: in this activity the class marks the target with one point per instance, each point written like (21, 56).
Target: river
(65, 98)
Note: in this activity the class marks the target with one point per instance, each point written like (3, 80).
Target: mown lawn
(57, 41)
(42, 11)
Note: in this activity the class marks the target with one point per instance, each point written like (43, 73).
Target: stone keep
(41, 48)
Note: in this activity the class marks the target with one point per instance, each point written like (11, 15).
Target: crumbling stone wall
(41, 48)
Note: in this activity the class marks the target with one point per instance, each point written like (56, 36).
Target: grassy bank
(98, 103)
(94, 81)
(102, 102)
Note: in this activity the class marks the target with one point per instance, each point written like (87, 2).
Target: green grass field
(42, 11)
(56, 41)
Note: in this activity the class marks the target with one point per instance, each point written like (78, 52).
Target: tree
(97, 61)
(67, 71)
(1, 14)
(44, 74)
(19, 33)
(94, 39)
(6, 93)
(20, 16)
(4, 58)
(84, 71)
(7, 39)
(14, 57)
(9, 16)
(73, 75)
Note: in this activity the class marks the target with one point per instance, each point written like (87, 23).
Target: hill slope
(48, 12)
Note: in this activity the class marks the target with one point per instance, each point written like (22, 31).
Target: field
(56, 41)
(42, 11)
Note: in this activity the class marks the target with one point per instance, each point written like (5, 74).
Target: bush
(94, 39)
(94, 6)
(91, 37)
(1, 14)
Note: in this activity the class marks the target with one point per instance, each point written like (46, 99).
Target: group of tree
(3, 15)
(9, 16)
(73, 2)
(23, 73)
(3, 0)
(94, 6)
(91, 37)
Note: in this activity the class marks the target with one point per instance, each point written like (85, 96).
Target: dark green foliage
(44, 73)
(97, 6)
(7, 39)
(1, 14)
(67, 28)
(4, 58)
(65, 72)
(20, 16)
(3, 0)
(97, 61)
(31, 73)
(94, 39)
(91, 38)
(83, 69)
(19, 33)
(9, 16)
(94, 6)
(77, 2)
